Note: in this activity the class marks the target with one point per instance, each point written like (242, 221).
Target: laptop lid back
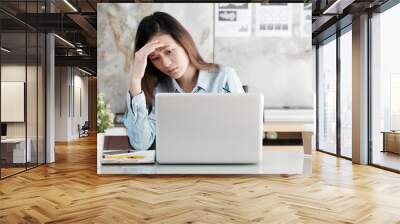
(209, 128)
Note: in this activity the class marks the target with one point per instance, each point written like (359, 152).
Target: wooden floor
(70, 191)
(387, 159)
(10, 171)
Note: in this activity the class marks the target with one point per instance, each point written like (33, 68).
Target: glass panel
(32, 86)
(13, 85)
(346, 94)
(23, 82)
(41, 99)
(41, 110)
(327, 97)
(31, 98)
(386, 89)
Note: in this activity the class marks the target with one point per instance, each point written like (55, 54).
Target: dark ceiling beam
(91, 5)
(325, 25)
(337, 7)
(62, 6)
(86, 26)
(331, 30)
(321, 23)
(49, 22)
(16, 18)
(11, 25)
(83, 61)
(56, 22)
(86, 69)
(86, 51)
(202, 1)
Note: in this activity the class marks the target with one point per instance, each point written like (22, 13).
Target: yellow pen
(124, 156)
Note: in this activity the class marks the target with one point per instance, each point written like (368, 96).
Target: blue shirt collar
(203, 82)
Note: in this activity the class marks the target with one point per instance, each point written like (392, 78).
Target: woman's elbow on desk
(136, 138)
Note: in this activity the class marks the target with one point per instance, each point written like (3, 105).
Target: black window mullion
(45, 94)
(0, 95)
(369, 91)
(37, 89)
(317, 96)
(338, 77)
(26, 86)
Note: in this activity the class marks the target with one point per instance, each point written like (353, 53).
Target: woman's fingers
(152, 47)
(148, 48)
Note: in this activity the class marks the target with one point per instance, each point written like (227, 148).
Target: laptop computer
(209, 128)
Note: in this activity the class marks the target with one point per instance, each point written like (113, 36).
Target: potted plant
(104, 118)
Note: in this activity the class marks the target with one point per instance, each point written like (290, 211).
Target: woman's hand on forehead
(159, 49)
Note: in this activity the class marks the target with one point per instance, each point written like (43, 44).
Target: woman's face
(171, 59)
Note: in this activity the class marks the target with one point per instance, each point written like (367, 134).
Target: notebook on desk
(117, 150)
(133, 157)
(117, 143)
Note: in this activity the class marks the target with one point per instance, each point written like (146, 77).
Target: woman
(166, 60)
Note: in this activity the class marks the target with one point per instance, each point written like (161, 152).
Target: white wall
(12, 73)
(33, 126)
(61, 103)
(277, 66)
(79, 117)
(69, 82)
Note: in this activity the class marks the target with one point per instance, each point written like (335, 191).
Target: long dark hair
(163, 23)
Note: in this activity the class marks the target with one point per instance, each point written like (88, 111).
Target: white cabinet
(17, 146)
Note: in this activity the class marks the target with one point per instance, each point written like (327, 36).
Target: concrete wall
(278, 67)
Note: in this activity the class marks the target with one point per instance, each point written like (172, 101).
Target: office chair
(84, 130)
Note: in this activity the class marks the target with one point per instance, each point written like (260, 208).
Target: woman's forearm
(140, 125)
(136, 87)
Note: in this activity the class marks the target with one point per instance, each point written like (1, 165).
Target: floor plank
(70, 191)
(386, 159)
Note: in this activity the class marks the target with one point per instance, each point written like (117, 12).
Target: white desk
(274, 162)
(19, 149)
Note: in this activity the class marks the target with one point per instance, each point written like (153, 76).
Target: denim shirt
(141, 125)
